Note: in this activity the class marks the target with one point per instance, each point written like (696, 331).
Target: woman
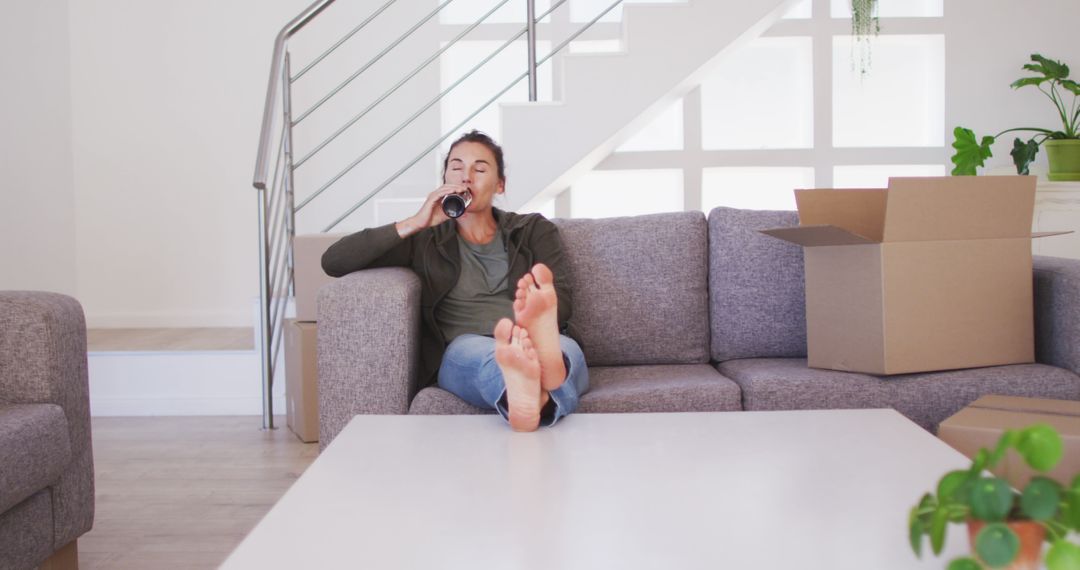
(494, 294)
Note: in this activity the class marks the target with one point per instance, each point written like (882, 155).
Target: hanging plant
(864, 23)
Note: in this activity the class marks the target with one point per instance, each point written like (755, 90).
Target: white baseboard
(179, 383)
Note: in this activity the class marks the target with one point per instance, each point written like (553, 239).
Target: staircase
(605, 99)
(608, 97)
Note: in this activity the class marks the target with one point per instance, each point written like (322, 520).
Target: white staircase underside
(606, 98)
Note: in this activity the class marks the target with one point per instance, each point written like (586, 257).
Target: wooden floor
(167, 339)
(181, 492)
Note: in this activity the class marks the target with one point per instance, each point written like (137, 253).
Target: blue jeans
(469, 371)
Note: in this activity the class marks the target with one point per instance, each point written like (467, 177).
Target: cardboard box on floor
(308, 275)
(301, 380)
(928, 274)
(981, 424)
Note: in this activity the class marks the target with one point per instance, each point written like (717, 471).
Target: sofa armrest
(43, 360)
(369, 346)
(1057, 311)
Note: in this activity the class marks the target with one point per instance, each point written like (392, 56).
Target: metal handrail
(415, 116)
(379, 56)
(344, 39)
(276, 244)
(277, 61)
(392, 90)
(530, 72)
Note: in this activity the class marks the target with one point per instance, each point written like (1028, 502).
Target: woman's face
(473, 166)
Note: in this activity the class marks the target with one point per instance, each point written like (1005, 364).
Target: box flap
(959, 207)
(859, 211)
(814, 236)
(1028, 405)
(1036, 235)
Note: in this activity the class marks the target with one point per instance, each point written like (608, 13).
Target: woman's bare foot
(536, 309)
(518, 361)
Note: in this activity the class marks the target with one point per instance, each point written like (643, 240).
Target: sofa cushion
(640, 288)
(658, 388)
(663, 388)
(34, 449)
(927, 398)
(756, 297)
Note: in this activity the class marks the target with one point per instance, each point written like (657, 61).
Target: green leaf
(1040, 499)
(1070, 509)
(1040, 445)
(1063, 555)
(1071, 86)
(969, 154)
(949, 485)
(965, 563)
(937, 529)
(1028, 81)
(991, 499)
(1052, 68)
(997, 544)
(1035, 67)
(916, 528)
(1023, 153)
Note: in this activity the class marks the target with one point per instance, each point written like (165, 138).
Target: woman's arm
(386, 246)
(374, 247)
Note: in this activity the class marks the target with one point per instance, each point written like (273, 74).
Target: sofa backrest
(640, 288)
(757, 300)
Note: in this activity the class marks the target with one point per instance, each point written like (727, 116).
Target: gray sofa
(46, 462)
(679, 313)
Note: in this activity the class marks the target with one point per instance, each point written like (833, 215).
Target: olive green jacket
(433, 254)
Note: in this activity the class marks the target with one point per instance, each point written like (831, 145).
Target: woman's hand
(431, 213)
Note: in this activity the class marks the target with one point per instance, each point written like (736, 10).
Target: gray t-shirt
(480, 297)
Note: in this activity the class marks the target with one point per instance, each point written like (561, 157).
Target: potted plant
(1062, 146)
(1006, 528)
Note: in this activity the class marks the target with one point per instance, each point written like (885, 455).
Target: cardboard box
(308, 275)
(981, 424)
(301, 380)
(928, 274)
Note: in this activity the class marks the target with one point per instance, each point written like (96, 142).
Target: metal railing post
(531, 16)
(290, 206)
(264, 311)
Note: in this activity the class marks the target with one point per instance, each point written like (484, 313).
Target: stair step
(170, 339)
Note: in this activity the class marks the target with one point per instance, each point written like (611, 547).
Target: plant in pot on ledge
(1062, 146)
(1006, 528)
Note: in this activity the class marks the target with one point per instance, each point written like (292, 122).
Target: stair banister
(277, 63)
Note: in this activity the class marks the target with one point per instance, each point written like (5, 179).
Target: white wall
(128, 179)
(167, 102)
(986, 44)
(37, 207)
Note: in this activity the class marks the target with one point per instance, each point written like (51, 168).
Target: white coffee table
(811, 489)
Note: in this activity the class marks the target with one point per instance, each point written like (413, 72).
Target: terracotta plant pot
(1064, 158)
(1031, 536)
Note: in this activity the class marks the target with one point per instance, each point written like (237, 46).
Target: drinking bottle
(454, 205)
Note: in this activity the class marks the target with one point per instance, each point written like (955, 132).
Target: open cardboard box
(928, 274)
(981, 424)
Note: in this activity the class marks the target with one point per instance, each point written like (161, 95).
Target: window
(611, 193)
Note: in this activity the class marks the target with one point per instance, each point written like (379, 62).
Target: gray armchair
(46, 462)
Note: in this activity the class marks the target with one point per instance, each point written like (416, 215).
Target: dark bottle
(454, 205)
